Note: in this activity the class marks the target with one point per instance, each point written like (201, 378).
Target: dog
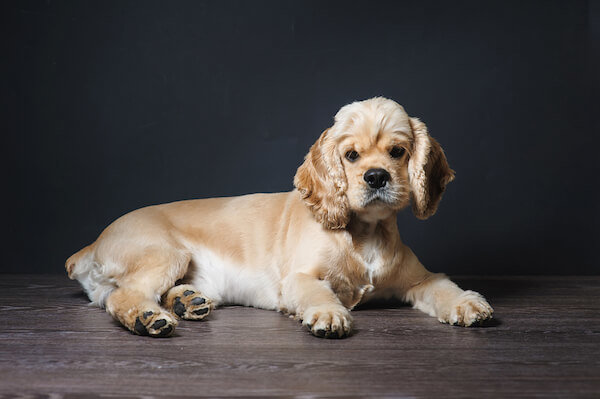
(313, 253)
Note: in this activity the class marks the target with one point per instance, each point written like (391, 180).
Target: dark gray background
(114, 105)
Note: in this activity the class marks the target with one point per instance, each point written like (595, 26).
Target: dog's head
(371, 162)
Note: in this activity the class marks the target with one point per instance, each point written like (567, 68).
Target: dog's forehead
(371, 118)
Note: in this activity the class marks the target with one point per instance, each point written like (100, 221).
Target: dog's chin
(376, 203)
(374, 210)
(379, 204)
(380, 199)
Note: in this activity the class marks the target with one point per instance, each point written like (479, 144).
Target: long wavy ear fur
(322, 183)
(428, 172)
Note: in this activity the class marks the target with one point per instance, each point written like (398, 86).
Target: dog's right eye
(352, 156)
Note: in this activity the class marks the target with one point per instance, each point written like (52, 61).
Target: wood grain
(544, 341)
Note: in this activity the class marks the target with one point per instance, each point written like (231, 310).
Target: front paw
(328, 321)
(469, 309)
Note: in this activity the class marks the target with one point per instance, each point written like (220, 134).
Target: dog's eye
(352, 156)
(397, 152)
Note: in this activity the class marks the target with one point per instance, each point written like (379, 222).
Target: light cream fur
(315, 252)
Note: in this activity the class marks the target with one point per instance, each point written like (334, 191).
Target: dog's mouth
(382, 196)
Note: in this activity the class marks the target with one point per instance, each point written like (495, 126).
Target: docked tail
(72, 262)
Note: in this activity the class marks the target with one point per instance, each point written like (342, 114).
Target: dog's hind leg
(139, 313)
(135, 302)
(187, 302)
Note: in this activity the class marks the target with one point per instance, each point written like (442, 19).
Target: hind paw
(155, 324)
(187, 303)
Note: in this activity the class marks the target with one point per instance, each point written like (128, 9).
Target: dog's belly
(228, 283)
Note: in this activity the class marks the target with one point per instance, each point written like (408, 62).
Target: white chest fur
(370, 252)
(372, 258)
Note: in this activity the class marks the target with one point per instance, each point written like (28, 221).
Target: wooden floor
(544, 342)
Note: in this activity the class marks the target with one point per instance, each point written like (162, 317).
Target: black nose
(376, 178)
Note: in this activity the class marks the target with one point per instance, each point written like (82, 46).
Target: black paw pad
(139, 327)
(178, 307)
(198, 301)
(188, 292)
(320, 333)
(334, 335)
(159, 324)
(166, 332)
(200, 312)
(148, 314)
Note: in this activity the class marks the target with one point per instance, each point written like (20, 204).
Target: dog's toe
(470, 310)
(140, 328)
(201, 312)
(320, 333)
(178, 307)
(165, 332)
(332, 321)
(191, 306)
(154, 324)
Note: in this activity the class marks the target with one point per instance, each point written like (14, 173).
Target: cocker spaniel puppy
(315, 252)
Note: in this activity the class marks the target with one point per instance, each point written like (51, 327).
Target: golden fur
(314, 252)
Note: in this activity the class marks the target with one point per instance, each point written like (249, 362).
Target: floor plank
(544, 341)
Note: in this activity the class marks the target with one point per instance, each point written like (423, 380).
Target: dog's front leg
(316, 304)
(437, 296)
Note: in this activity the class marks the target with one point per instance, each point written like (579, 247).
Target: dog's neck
(365, 228)
(373, 242)
(374, 214)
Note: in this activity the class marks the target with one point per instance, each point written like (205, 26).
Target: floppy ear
(428, 171)
(321, 181)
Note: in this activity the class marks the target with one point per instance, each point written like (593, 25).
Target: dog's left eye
(397, 152)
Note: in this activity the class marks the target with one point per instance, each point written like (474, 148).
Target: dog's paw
(187, 303)
(328, 321)
(155, 324)
(191, 306)
(469, 309)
